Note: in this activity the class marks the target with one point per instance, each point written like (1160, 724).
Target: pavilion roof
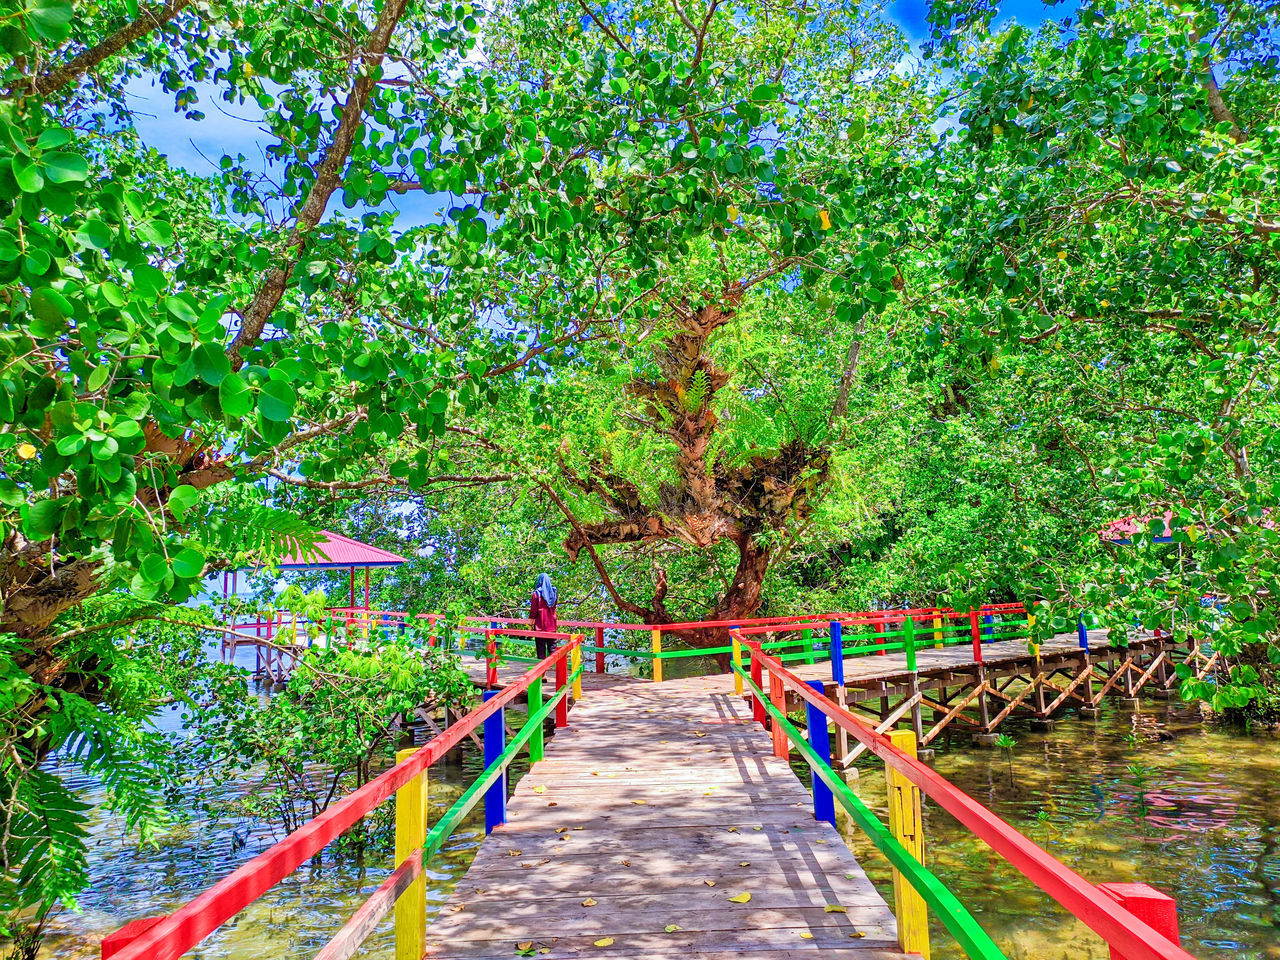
(334, 551)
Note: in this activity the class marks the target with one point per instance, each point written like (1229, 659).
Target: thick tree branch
(328, 179)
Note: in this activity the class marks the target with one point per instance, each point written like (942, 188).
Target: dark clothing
(544, 620)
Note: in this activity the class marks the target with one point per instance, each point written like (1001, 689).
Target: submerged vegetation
(712, 311)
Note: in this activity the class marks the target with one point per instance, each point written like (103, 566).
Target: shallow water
(1201, 822)
(1203, 825)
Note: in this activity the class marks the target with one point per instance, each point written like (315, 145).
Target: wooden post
(757, 677)
(1081, 633)
(909, 643)
(824, 802)
(599, 649)
(657, 655)
(976, 637)
(537, 742)
(1157, 910)
(937, 633)
(989, 629)
(880, 651)
(907, 826)
(576, 663)
(562, 681)
(807, 637)
(411, 831)
(495, 741)
(735, 640)
(431, 625)
(781, 748)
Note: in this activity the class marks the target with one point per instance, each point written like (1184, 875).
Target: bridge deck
(893, 663)
(658, 804)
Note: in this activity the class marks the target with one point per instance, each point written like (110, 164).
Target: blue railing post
(495, 741)
(824, 802)
(1082, 633)
(987, 630)
(837, 654)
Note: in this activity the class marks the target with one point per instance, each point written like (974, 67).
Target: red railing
(1099, 908)
(168, 938)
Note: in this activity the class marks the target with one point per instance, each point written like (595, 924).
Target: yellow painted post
(1031, 633)
(937, 633)
(411, 831)
(575, 666)
(657, 653)
(736, 640)
(907, 827)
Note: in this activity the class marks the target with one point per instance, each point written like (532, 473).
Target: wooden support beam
(954, 712)
(1084, 675)
(884, 725)
(1142, 680)
(1115, 678)
(999, 718)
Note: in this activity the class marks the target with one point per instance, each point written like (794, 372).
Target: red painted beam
(1157, 910)
(1126, 933)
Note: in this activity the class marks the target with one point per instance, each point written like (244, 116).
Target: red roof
(333, 550)
(1122, 530)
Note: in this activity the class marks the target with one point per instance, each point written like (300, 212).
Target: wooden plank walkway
(956, 657)
(658, 804)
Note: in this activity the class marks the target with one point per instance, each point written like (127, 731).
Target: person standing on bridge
(542, 611)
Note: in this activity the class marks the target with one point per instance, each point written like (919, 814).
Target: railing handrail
(1124, 931)
(189, 924)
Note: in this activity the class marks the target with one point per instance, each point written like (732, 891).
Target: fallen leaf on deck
(819, 841)
(553, 804)
(733, 829)
(806, 935)
(709, 883)
(626, 863)
(699, 733)
(745, 863)
(757, 828)
(640, 802)
(857, 935)
(604, 942)
(525, 945)
(589, 902)
(562, 829)
(514, 853)
(741, 898)
(835, 908)
(539, 789)
(849, 876)
(672, 927)
(579, 828)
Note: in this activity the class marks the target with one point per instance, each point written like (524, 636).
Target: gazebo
(333, 551)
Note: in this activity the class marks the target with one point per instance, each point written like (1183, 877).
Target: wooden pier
(1010, 680)
(660, 824)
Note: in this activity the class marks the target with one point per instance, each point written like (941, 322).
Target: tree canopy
(711, 310)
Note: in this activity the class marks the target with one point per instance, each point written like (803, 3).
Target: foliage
(338, 720)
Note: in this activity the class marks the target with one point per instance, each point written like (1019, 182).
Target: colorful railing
(808, 638)
(1137, 921)
(169, 937)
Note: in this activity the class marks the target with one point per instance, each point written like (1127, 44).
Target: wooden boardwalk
(651, 811)
(955, 657)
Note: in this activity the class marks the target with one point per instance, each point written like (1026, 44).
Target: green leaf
(51, 19)
(64, 167)
(235, 396)
(10, 494)
(211, 364)
(181, 500)
(41, 519)
(154, 568)
(188, 563)
(276, 401)
(51, 306)
(28, 175)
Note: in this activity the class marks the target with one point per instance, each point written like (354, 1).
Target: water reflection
(1158, 797)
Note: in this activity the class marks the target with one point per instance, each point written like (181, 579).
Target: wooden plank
(656, 805)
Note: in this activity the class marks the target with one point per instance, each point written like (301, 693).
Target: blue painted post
(495, 741)
(824, 802)
(1082, 633)
(987, 630)
(837, 653)
(497, 639)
